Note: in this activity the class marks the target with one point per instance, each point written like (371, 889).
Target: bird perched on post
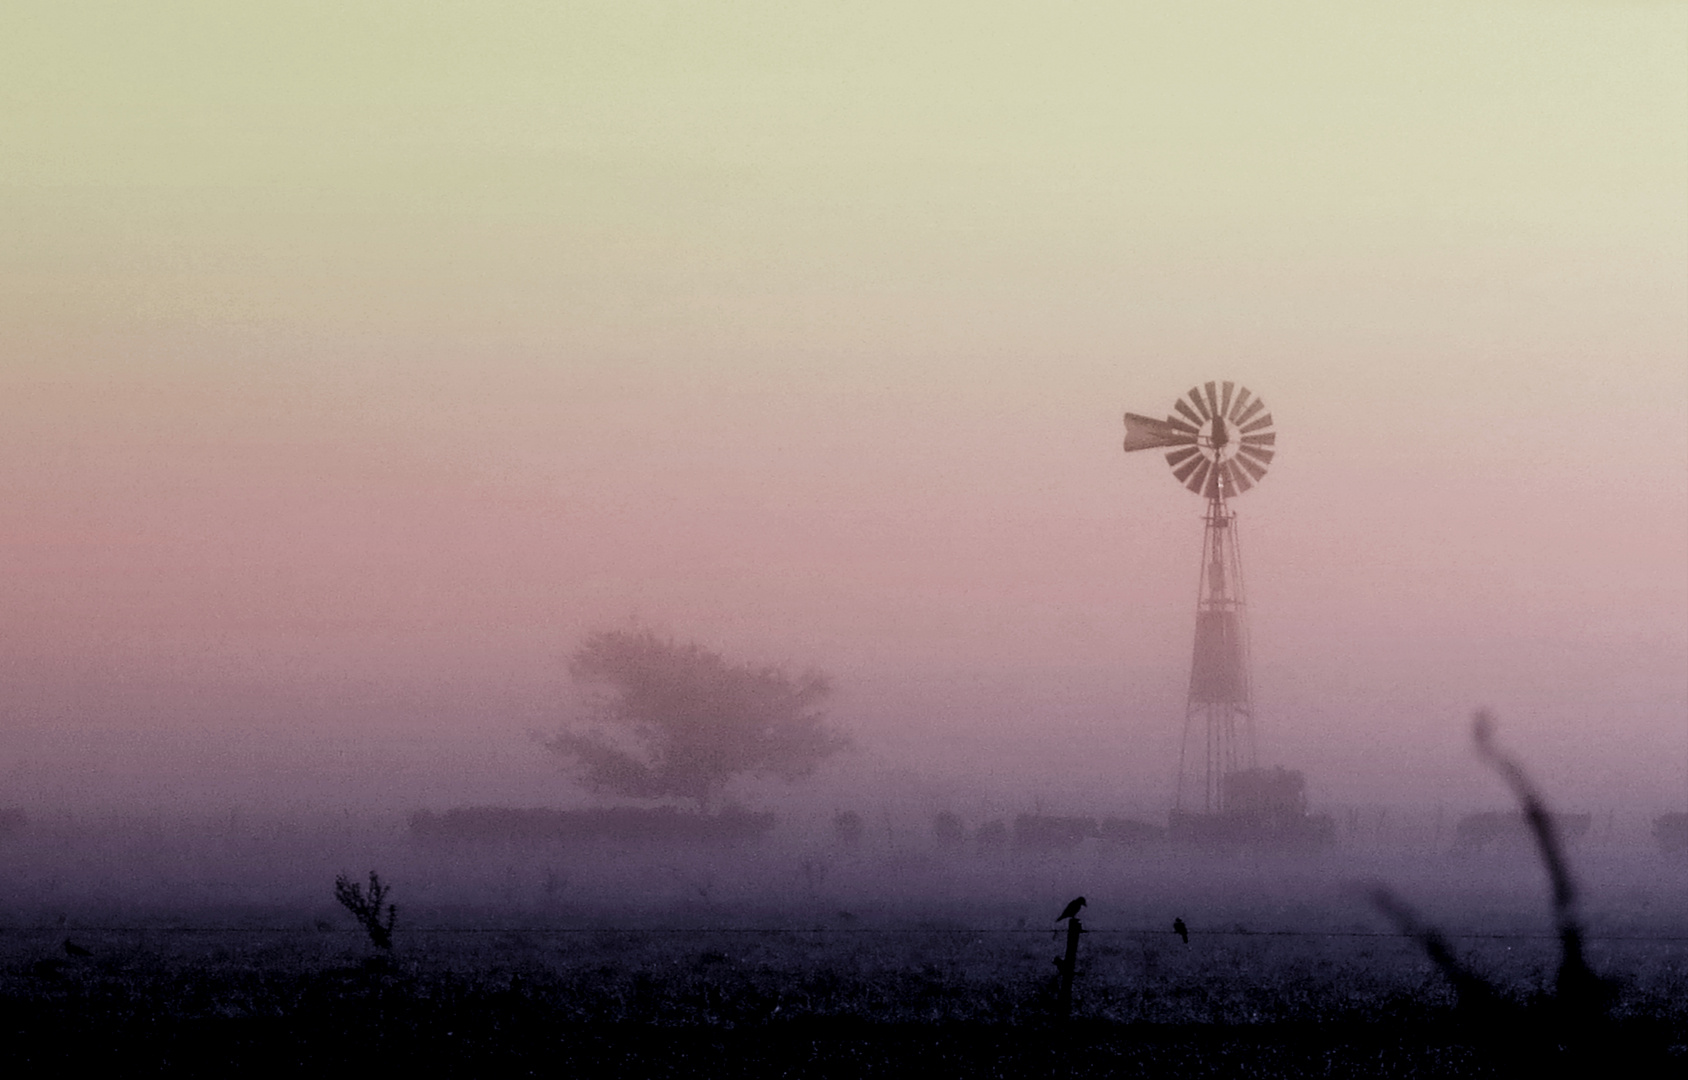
(1070, 910)
(1181, 930)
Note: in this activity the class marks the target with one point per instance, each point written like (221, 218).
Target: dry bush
(367, 909)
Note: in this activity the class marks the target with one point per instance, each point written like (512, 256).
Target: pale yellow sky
(350, 341)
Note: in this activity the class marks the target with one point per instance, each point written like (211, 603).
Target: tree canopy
(680, 721)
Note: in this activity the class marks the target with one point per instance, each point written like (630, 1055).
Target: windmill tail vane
(1147, 433)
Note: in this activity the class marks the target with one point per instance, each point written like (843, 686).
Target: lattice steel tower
(1221, 440)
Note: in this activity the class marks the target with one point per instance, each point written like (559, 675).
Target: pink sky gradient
(389, 391)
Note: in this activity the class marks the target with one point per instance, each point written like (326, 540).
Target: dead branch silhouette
(1577, 987)
(1473, 992)
(1572, 1017)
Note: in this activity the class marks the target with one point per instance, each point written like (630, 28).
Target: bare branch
(1579, 989)
(1576, 981)
(1472, 989)
(1541, 822)
(367, 910)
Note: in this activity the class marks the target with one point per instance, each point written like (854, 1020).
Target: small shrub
(367, 909)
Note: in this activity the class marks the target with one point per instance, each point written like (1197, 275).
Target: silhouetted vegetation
(636, 1003)
(680, 721)
(367, 909)
(1572, 1020)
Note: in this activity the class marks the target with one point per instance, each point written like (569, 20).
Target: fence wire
(844, 931)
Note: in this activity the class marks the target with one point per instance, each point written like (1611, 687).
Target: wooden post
(1066, 965)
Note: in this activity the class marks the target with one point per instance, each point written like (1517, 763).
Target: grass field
(799, 1003)
(208, 953)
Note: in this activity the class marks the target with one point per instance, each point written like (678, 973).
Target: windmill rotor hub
(1218, 437)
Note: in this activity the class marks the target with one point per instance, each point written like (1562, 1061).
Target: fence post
(1066, 965)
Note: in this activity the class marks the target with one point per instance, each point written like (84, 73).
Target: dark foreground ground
(492, 1044)
(178, 1015)
(493, 1037)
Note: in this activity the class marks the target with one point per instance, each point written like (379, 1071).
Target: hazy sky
(356, 358)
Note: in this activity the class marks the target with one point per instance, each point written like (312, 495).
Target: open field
(834, 1001)
(798, 958)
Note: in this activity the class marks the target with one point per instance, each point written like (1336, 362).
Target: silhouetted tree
(680, 721)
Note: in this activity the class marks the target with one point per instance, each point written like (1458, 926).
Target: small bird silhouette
(1181, 930)
(73, 949)
(1070, 910)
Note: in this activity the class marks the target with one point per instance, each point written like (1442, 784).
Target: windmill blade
(1255, 470)
(1199, 480)
(1188, 412)
(1218, 438)
(1147, 433)
(1201, 406)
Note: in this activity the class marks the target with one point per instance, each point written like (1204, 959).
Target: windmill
(1219, 441)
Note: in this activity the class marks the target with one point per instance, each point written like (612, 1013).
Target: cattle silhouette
(1508, 828)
